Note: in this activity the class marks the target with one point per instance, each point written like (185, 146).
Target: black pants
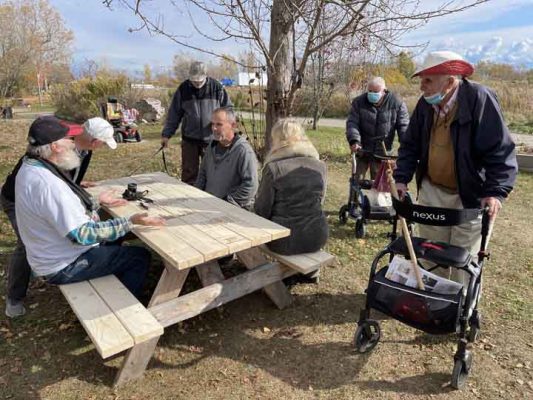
(191, 154)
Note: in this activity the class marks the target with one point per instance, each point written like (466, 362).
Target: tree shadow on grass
(425, 384)
(287, 350)
(45, 347)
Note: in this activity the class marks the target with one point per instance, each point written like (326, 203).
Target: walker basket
(430, 312)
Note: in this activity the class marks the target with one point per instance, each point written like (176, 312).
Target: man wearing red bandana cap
(459, 146)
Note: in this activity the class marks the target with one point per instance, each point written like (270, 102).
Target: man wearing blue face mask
(375, 116)
(459, 146)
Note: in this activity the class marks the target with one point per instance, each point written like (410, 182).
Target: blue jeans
(128, 263)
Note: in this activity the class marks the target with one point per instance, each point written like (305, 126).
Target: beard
(68, 160)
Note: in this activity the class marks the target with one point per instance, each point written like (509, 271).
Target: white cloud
(513, 46)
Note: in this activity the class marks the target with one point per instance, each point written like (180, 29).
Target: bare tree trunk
(279, 72)
(39, 89)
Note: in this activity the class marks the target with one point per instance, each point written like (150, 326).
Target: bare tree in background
(33, 38)
(286, 32)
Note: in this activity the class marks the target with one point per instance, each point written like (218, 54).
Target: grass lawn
(248, 349)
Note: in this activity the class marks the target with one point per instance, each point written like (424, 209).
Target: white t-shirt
(47, 210)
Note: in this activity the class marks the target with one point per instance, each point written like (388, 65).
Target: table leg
(136, 361)
(277, 291)
(209, 273)
(137, 358)
(169, 285)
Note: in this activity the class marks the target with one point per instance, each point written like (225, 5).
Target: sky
(498, 31)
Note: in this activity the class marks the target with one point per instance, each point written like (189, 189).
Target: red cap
(73, 129)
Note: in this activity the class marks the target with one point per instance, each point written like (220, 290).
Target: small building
(252, 79)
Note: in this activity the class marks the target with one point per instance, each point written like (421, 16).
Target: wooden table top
(200, 227)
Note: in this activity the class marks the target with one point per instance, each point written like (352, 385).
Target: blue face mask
(434, 99)
(373, 97)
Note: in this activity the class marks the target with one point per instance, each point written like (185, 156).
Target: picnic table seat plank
(137, 320)
(103, 327)
(304, 263)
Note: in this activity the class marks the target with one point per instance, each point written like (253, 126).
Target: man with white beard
(57, 220)
(94, 134)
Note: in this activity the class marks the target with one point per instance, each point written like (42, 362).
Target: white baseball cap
(99, 128)
(444, 63)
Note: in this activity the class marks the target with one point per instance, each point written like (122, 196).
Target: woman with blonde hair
(292, 190)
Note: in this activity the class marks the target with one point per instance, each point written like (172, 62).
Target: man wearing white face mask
(459, 146)
(375, 116)
(192, 106)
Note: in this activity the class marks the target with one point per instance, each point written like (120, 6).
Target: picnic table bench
(200, 229)
(112, 317)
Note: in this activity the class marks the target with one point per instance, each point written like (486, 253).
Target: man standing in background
(192, 105)
(375, 116)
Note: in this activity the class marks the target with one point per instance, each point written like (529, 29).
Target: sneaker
(15, 309)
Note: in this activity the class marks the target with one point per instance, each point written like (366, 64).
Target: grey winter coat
(192, 108)
(231, 176)
(291, 193)
(367, 122)
(485, 158)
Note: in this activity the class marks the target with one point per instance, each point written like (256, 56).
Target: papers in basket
(401, 271)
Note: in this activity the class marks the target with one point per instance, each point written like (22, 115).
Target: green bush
(81, 99)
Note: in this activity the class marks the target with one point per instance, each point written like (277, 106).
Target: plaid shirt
(104, 231)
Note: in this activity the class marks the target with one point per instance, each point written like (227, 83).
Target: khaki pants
(467, 235)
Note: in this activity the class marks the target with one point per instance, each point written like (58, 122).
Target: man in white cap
(96, 132)
(57, 221)
(459, 146)
(192, 105)
(92, 135)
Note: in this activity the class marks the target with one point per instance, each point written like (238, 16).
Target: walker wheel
(343, 214)
(360, 229)
(367, 335)
(461, 369)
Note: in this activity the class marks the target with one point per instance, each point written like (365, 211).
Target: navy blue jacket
(366, 122)
(485, 159)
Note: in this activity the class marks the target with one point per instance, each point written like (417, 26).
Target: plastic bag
(381, 182)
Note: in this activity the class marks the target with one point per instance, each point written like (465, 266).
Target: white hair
(44, 151)
(376, 81)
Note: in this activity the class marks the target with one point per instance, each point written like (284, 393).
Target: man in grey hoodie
(229, 167)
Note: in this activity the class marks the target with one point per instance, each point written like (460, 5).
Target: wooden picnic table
(200, 229)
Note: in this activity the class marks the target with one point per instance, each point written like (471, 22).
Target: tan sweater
(441, 163)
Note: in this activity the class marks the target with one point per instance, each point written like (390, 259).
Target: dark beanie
(46, 130)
